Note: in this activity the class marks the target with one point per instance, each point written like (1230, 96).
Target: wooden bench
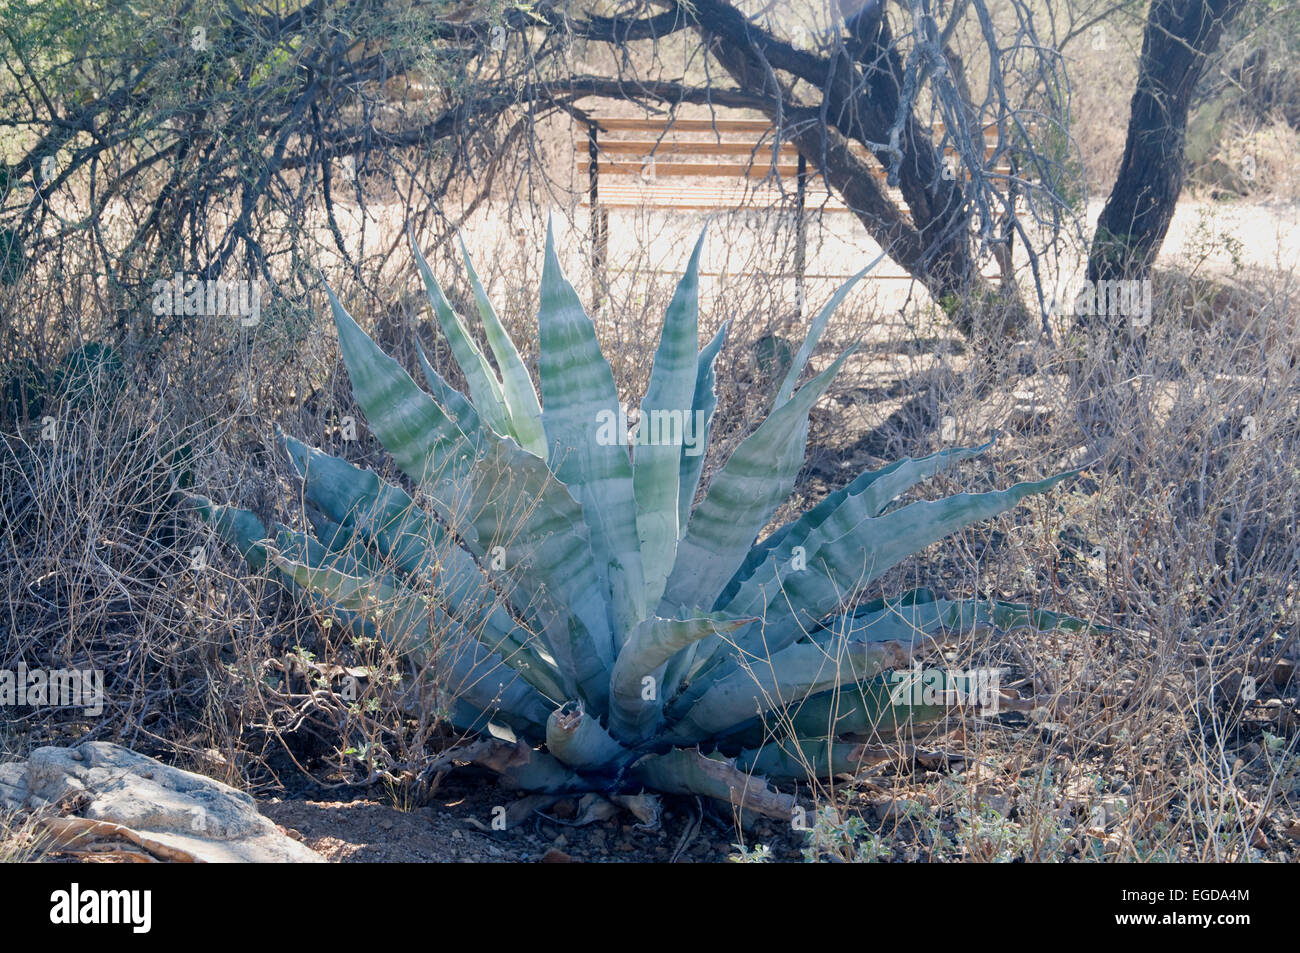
(727, 149)
(641, 163)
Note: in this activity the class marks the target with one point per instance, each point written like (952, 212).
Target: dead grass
(1136, 745)
(1175, 736)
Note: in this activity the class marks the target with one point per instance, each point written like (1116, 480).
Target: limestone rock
(169, 812)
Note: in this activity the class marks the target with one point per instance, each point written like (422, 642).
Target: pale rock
(167, 811)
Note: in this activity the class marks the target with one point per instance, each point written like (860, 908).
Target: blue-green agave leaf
(503, 502)
(877, 489)
(484, 388)
(758, 684)
(703, 403)
(522, 406)
(741, 499)
(849, 549)
(579, 740)
(815, 331)
(668, 406)
(580, 413)
(636, 705)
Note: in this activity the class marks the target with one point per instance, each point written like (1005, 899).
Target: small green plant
(1283, 762)
(1206, 244)
(985, 836)
(758, 854)
(843, 838)
(550, 564)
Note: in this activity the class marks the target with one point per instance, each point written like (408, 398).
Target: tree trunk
(1180, 35)
(862, 97)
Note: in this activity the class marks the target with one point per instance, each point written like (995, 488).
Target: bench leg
(599, 251)
(599, 220)
(800, 238)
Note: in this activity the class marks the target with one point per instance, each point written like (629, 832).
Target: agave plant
(616, 636)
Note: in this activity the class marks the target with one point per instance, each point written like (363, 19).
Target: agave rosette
(628, 639)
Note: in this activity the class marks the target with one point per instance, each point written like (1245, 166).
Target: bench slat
(684, 125)
(614, 124)
(664, 148)
(639, 147)
(667, 197)
(673, 170)
(716, 169)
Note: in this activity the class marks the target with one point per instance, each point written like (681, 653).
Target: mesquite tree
(1180, 36)
(193, 137)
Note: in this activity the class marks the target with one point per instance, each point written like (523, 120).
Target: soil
(456, 827)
